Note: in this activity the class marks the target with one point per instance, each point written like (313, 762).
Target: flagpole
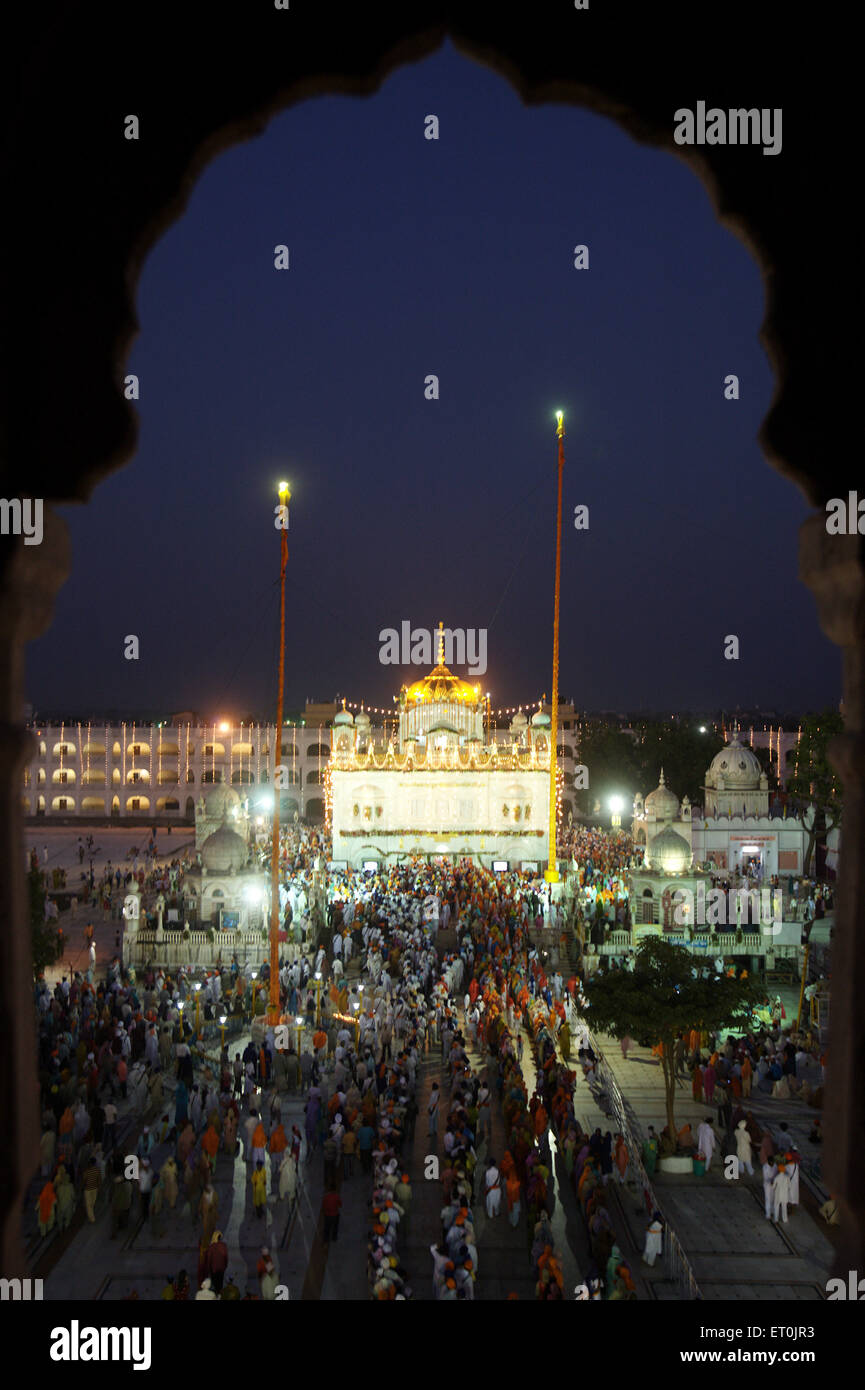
(273, 1010)
(552, 873)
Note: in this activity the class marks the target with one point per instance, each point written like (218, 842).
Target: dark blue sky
(452, 257)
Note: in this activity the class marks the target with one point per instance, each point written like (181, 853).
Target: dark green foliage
(811, 779)
(43, 934)
(660, 999)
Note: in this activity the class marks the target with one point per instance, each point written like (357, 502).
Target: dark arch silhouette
(68, 425)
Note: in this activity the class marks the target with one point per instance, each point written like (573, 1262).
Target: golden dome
(440, 685)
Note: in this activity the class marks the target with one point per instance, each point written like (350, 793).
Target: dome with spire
(223, 851)
(441, 685)
(221, 802)
(739, 767)
(662, 803)
(669, 852)
(343, 716)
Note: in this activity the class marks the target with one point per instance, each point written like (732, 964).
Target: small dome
(662, 803)
(519, 720)
(669, 852)
(343, 717)
(540, 719)
(739, 767)
(362, 719)
(219, 803)
(223, 851)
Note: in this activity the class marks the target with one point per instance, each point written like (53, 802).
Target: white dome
(362, 718)
(343, 717)
(738, 766)
(219, 803)
(540, 719)
(662, 803)
(519, 720)
(669, 852)
(223, 851)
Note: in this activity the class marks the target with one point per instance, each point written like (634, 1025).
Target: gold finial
(441, 644)
(560, 426)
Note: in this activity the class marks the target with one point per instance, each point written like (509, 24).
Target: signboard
(500, 866)
(370, 865)
(231, 920)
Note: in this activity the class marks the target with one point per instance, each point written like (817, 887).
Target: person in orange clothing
(621, 1156)
(747, 1073)
(697, 1082)
(277, 1144)
(319, 1042)
(210, 1145)
(46, 1207)
(512, 1192)
(259, 1143)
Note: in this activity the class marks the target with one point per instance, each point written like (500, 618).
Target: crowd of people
(376, 998)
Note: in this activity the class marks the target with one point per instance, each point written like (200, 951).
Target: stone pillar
(833, 567)
(29, 579)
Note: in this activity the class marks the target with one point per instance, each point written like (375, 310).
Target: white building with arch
(444, 787)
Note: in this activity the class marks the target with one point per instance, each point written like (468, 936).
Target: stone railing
(677, 1263)
(725, 944)
(201, 947)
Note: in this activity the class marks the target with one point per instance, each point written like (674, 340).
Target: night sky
(454, 257)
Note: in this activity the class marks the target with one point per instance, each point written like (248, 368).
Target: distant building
(132, 771)
(734, 832)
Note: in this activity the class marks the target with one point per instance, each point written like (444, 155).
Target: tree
(684, 754)
(613, 766)
(813, 779)
(660, 998)
(43, 935)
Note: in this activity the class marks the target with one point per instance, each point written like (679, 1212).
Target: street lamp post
(317, 983)
(223, 1019)
(284, 496)
(552, 873)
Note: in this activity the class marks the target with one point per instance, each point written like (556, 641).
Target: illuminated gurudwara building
(441, 788)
